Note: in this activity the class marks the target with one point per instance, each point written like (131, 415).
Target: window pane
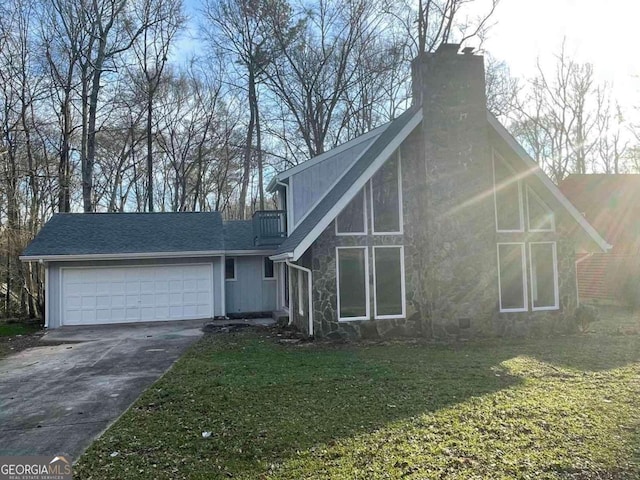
(385, 195)
(352, 279)
(230, 268)
(388, 280)
(512, 286)
(351, 219)
(268, 268)
(286, 286)
(540, 216)
(508, 213)
(543, 275)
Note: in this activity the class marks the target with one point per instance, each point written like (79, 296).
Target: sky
(600, 33)
(523, 31)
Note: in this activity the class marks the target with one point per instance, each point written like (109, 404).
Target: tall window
(507, 196)
(267, 269)
(512, 278)
(353, 283)
(544, 276)
(230, 268)
(386, 198)
(388, 273)
(540, 217)
(351, 221)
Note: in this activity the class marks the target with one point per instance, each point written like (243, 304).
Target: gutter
(142, 255)
(310, 312)
(281, 257)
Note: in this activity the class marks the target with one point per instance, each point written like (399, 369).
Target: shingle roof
(347, 180)
(611, 203)
(118, 233)
(238, 235)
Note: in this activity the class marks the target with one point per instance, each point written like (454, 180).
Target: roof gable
(349, 184)
(357, 143)
(534, 169)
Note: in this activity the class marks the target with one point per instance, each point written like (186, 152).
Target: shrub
(584, 316)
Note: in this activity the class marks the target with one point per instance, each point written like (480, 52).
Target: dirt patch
(16, 343)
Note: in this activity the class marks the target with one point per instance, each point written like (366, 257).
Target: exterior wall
(309, 185)
(250, 293)
(609, 279)
(55, 277)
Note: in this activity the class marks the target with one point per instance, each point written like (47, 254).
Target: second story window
(386, 198)
(508, 197)
(352, 220)
(540, 217)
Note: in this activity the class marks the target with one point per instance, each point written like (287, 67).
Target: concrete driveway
(57, 399)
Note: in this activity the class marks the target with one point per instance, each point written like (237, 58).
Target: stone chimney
(458, 215)
(449, 78)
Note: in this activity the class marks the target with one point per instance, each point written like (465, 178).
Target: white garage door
(136, 294)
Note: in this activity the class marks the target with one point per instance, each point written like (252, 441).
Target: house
(611, 203)
(437, 223)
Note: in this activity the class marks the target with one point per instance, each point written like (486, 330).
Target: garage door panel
(147, 314)
(88, 302)
(130, 294)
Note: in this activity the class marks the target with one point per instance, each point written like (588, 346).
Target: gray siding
(54, 288)
(249, 292)
(312, 183)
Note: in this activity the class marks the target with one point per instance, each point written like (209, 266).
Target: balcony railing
(269, 227)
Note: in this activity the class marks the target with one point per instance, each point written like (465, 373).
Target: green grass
(12, 329)
(561, 408)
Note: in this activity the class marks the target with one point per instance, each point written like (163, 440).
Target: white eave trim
(282, 257)
(535, 168)
(376, 132)
(138, 256)
(356, 186)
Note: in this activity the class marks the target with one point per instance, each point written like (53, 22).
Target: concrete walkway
(57, 399)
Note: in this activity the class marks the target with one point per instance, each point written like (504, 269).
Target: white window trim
(400, 209)
(366, 282)
(530, 191)
(524, 279)
(235, 269)
(556, 305)
(364, 218)
(495, 191)
(264, 270)
(403, 314)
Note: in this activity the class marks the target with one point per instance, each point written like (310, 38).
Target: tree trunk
(150, 150)
(248, 151)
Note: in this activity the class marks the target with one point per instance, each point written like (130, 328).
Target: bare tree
(237, 29)
(164, 19)
(564, 118)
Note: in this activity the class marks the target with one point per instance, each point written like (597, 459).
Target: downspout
(46, 293)
(310, 312)
(588, 255)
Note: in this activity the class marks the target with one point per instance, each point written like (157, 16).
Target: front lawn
(568, 407)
